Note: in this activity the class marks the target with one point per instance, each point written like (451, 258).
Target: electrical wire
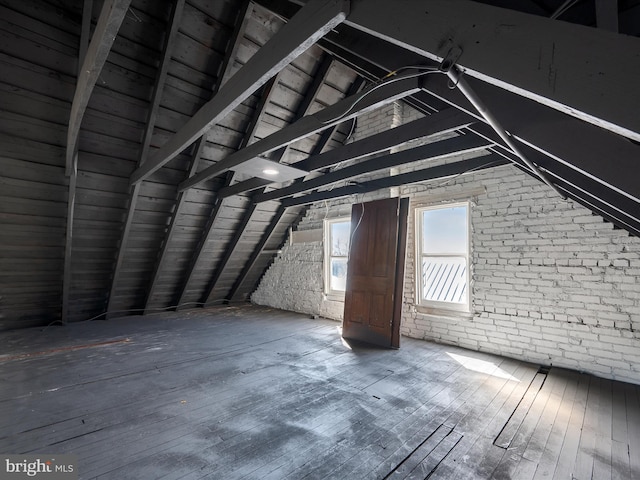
(134, 310)
(356, 227)
(351, 131)
(386, 80)
(455, 177)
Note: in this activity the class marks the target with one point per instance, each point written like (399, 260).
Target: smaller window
(336, 240)
(443, 257)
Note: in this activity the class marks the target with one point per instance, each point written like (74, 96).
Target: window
(336, 238)
(443, 257)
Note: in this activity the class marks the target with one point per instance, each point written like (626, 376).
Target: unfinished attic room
(320, 239)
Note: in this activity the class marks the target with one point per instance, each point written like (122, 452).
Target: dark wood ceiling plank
(321, 143)
(228, 252)
(111, 17)
(310, 24)
(204, 239)
(85, 34)
(607, 15)
(312, 92)
(307, 101)
(257, 251)
(344, 110)
(325, 137)
(557, 73)
(267, 92)
(240, 24)
(465, 143)
(427, 174)
(173, 23)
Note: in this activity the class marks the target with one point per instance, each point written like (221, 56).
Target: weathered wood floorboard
(256, 393)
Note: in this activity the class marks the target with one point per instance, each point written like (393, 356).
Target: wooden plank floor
(255, 393)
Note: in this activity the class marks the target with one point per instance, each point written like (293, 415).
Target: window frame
(327, 240)
(434, 306)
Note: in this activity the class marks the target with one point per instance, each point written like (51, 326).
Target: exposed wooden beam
(339, 112)
(604, 210)
(613, 204)
(580, 145)
(312, 91)
(85, 35)
(245, 10)
(607, 15)
(319, 77)
(257, 251)
(464, 143)
(204, 239)
(556, 70)
(445, 121)
(432, 173)
(317, 149)
(267, 92)
(309, 24)
(173, 23)
(177, 213)
(439, 123)
(564, 138)
(233, 242)
(111, 16)
(223, 74)
(325, 136)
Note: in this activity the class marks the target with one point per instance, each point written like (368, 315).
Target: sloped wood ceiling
(81, 239)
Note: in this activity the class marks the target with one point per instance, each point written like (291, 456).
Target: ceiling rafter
(614, 204)
(85, 34)
(339, 112)
(560, 137)
(442, 122)
(528, 121)
(317, 149)
(267, 92)
(314, 20)
(204, 239)
(430, 151)
(228, 252)
(427, 174)
(558, 74)
(257, 251)
(312, 92)
(224, 73)
(607, 15)
(109, 21)
(173, 22)
(325, 136)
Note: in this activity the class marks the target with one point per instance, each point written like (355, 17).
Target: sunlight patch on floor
(481, 366)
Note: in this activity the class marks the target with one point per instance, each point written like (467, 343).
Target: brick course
(551, 283)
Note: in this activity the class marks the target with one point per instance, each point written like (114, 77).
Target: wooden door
(375, 272)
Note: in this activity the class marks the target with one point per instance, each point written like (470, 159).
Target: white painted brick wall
(551, 283)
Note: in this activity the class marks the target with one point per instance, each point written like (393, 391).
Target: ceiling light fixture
(269, 170)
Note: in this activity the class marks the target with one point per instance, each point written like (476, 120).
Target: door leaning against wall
(375, 272)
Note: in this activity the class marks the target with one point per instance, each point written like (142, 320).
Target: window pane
(338, 274)
(444, 279)
(444, 230)
(340, 238)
